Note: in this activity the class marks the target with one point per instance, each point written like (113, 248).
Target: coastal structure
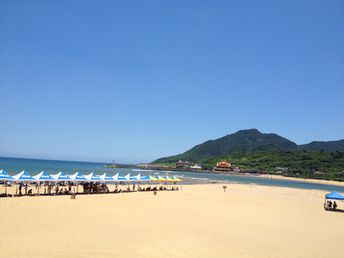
(222, 166)
(196, 166)
(113, 165)
(187, 165)
(237, 170)
(183, 164)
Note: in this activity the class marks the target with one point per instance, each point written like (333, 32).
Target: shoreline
(272, 176)
(306, 180)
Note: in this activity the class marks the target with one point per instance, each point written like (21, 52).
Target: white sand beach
(198, 221)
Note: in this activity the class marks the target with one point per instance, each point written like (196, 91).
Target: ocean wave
(142, 170)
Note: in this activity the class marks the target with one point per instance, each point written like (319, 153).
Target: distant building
(281, 170)
(237, 170)
(339, 174)
(222, 166)
(196, 166)
(183, 164)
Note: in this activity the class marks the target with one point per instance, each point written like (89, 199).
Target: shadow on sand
(336, 210)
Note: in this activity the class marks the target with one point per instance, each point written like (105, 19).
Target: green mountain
(324, 146)
(252, 150)
(250, 140)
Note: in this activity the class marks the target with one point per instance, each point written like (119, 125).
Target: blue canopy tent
(134, 178)
(123, 178)
(334, 196)
(5, 178)
(127, 177)
(130, 178)
(144, 178)
(92, 177)
(42, 177)
(115, 177)
(22, 177)
(76, 178)
(93, 181)
(105, 177)
(60, 176)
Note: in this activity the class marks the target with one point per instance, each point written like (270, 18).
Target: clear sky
(137, 80)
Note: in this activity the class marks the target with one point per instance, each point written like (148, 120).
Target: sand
(198, 221)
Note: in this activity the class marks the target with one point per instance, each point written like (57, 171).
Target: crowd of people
(66, 188)
(329, 205)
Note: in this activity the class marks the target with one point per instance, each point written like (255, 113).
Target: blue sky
(137, 80)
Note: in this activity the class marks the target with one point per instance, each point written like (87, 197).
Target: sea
(35, 166)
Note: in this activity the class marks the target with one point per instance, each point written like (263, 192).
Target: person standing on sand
(334, 205)
(20, 189)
